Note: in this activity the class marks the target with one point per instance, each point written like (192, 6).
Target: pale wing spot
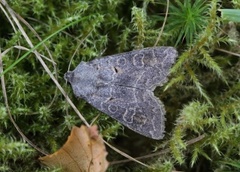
(112, 108)
(138, 60)
(128, 115)
(121, 61)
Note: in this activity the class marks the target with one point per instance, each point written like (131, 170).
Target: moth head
(82, 79)
(68, 76)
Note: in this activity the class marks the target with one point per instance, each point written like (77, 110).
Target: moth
(122, 86)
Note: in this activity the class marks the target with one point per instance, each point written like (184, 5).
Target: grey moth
(122, 86)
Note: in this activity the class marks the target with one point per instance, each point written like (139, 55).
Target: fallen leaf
(83, 151)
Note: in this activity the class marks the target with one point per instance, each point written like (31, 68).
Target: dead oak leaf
(84, 151)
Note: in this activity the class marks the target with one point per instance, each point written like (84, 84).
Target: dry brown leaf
(83, 151)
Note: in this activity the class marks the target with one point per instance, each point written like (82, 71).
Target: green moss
(202, 97)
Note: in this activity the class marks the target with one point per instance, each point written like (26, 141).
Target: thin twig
(164, 22)
(9, 112)
(229, 52)
(125, 155)
(165, 151)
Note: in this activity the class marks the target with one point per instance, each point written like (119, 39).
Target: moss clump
(202, 98)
